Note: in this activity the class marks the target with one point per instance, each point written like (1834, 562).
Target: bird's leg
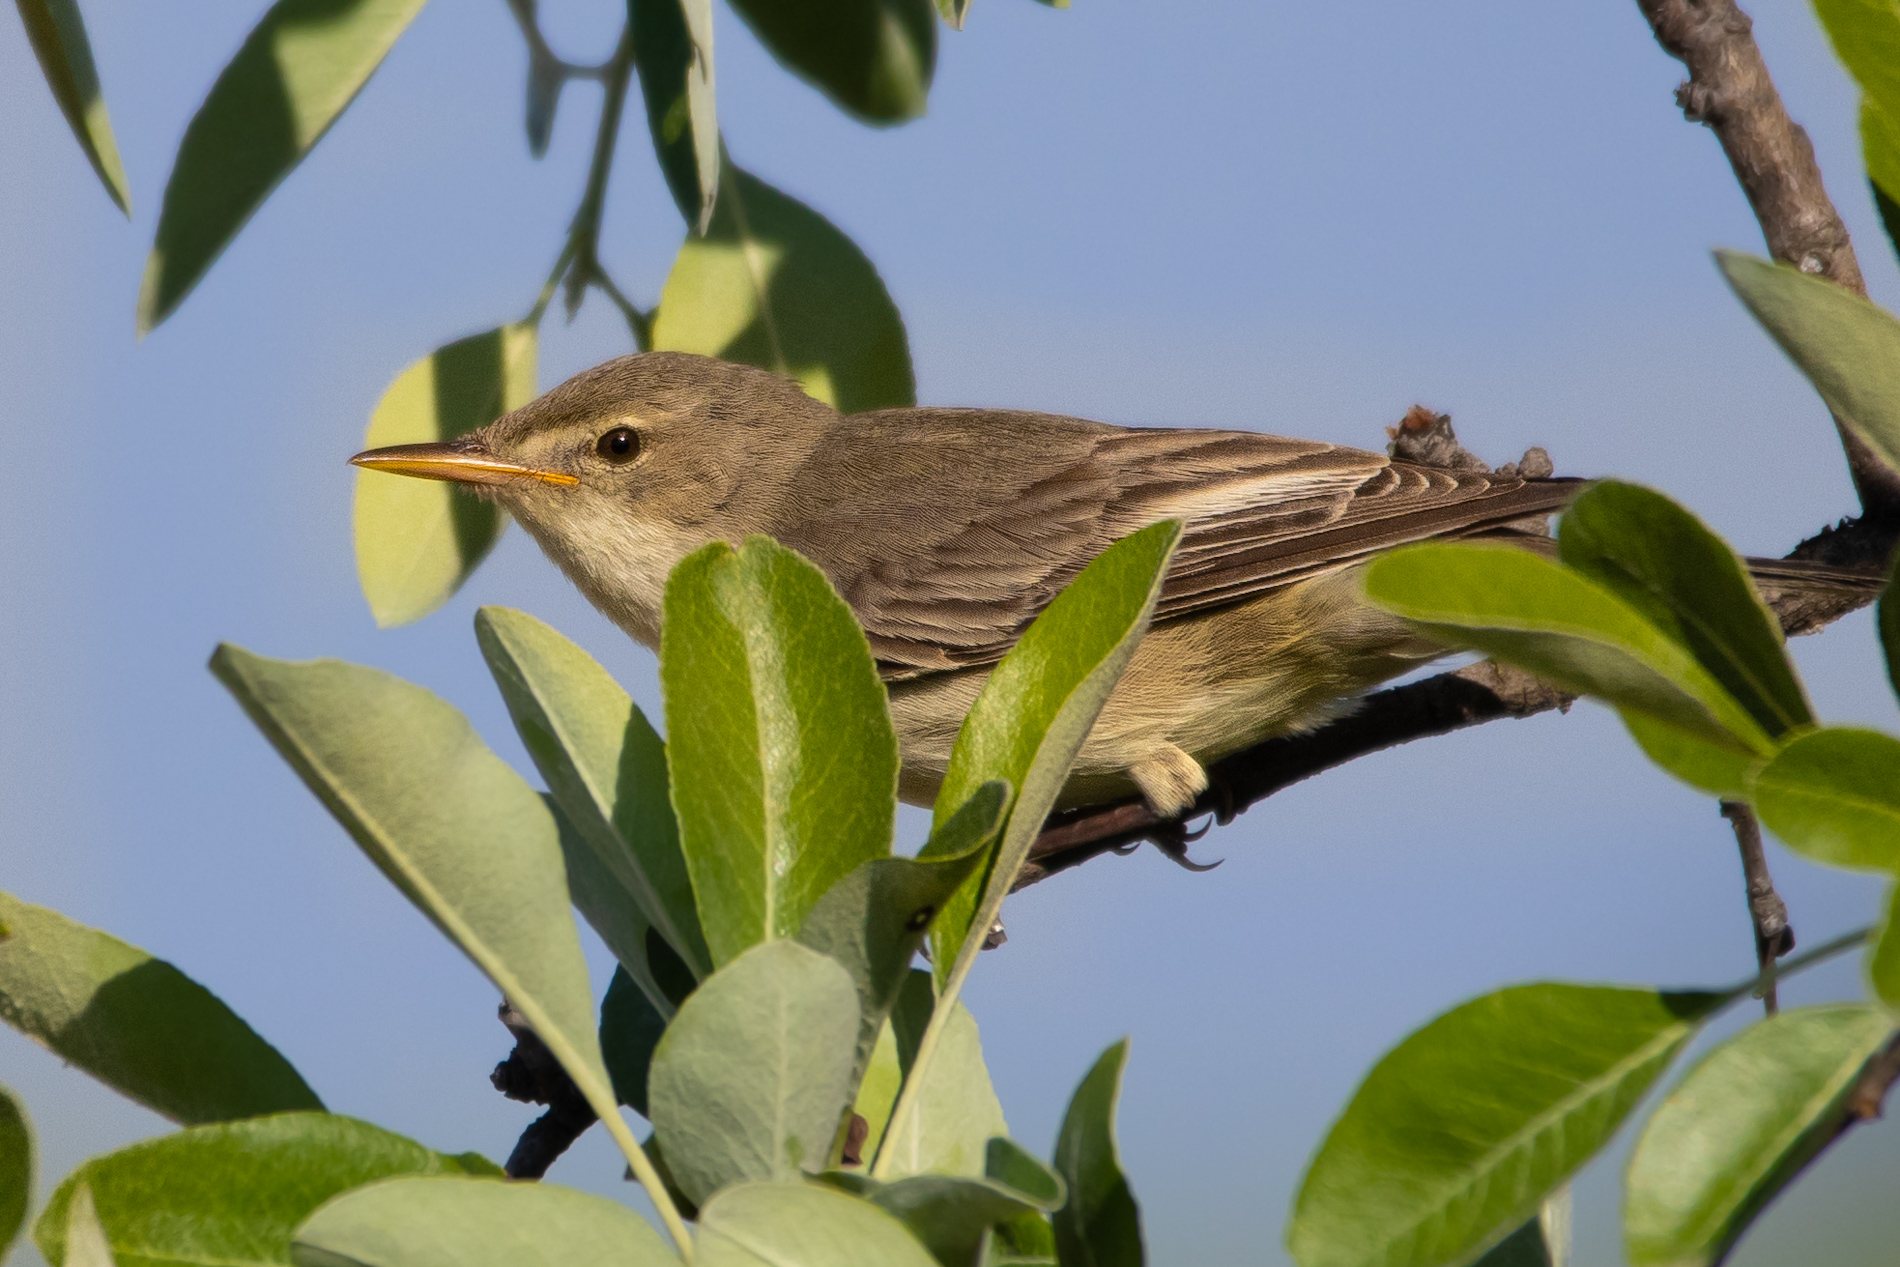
(1170, 780)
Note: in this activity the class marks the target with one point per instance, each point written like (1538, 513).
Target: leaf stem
(1758, 985)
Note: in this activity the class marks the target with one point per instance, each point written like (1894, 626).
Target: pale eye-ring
(619, 446)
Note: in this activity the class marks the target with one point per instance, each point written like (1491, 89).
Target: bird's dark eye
(619, 446)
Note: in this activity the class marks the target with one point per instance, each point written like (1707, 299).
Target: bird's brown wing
(944, 587)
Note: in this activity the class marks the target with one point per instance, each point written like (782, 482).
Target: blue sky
(1295, 218)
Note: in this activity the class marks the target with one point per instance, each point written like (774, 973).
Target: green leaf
(16, 1168)
(610, 910)
(1099, 1225)
(452, 826)
(878, 1085)
(1460, 1131)
(136, 1023)
(466, 1222)
(294, 75)
(1738, 1128)
(955, 1112)
(1834, 795)
(753, 1076)
(1009, 1163)
(784, 764)
(776, 285)
(953, 12)
(949, 1214)
(234, 1192)
(1541, 1242)
(1562, 625)
(1866, 36)
(1032, 716)
(875, 919)
(603, 762)
(1883, 961)
(873, 58)
(801, 1225)
(418, 540)
(1887, 617)
(630, 1029)
(1880, 146)
(1848, 348)
(1664, 562)
(58, 36)
(1694, 760)
(672, 47)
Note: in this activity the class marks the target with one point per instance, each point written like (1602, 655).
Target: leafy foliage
(58, 36)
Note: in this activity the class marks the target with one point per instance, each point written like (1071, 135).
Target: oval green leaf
(753, 1077)
(1887, 619)
(1883, 960)
(1461, 1131)
(603, 762)
(234, 1192)
(776, 285)
(1691, 758)
(873, 58)
(1848, 348)
(136, 1023)
(630, 1029)
(954, 1111)
(1664, 562)
(1562, 625)
(418, 540)
(801, 1225)
(443, 1221)
(297, 71)
(784, 763)
(1738, 1128)
(16, 1169)
(1099, 1225)
(1834, 795)
(672, 48)
(58, 36)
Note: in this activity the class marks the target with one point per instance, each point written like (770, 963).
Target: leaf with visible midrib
(297, 71)
(1834, 795)
(58, 35)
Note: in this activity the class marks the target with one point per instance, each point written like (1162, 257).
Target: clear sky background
(1294, 218)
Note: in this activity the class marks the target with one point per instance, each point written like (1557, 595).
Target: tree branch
(1766, 910)
(532, 1075)
(1730, 90)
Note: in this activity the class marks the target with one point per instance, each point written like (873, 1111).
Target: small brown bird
(948, 530)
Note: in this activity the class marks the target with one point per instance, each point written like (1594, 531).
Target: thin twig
(1730, 90)
(1766, 910)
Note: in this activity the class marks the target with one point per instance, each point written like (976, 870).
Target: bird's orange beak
(458, 461)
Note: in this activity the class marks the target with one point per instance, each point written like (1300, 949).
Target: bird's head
(626, 468)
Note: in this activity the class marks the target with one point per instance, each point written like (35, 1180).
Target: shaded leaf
(136, 1023)
(297, 71)
(1561, 625)
(1883, 960)
(875, 919)
(784, 763)
(1738, 1127)
(16, 1168)
(801, 1225)
(1697, 762)
(955, 1112)
(545, 81)
(873, 58)
(1099, 1225)
(753, 1076)
(1880, 146)
(1834, 795)
(1461, 1131)
(1664, 562)
(417, 540)
(603, 762)
(465, 1222)
(1848, 348)
(948, 1214)
(1887, 618)
(672, 47)
(1541, 1242)
(453, 827)
(776, 285)
(630, 1029)
(58, 36)
(234, 1192)
(1032, 717)
(609, 909)
(953, 12)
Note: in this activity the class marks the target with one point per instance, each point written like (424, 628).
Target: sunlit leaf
(955, 1112)
(800, 1225)
(136, 1023)
(1738, 1128)
(16, 1169)
(873, 58)
(418, 540)
(672, 47)
(776, 285)
(58, 36)
(440, 1221)
(297, 71)
(1834, 795)
(752, 1078)
(1460, 1132)
(1099, 1225)
(212, 1196)
(784, 763)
